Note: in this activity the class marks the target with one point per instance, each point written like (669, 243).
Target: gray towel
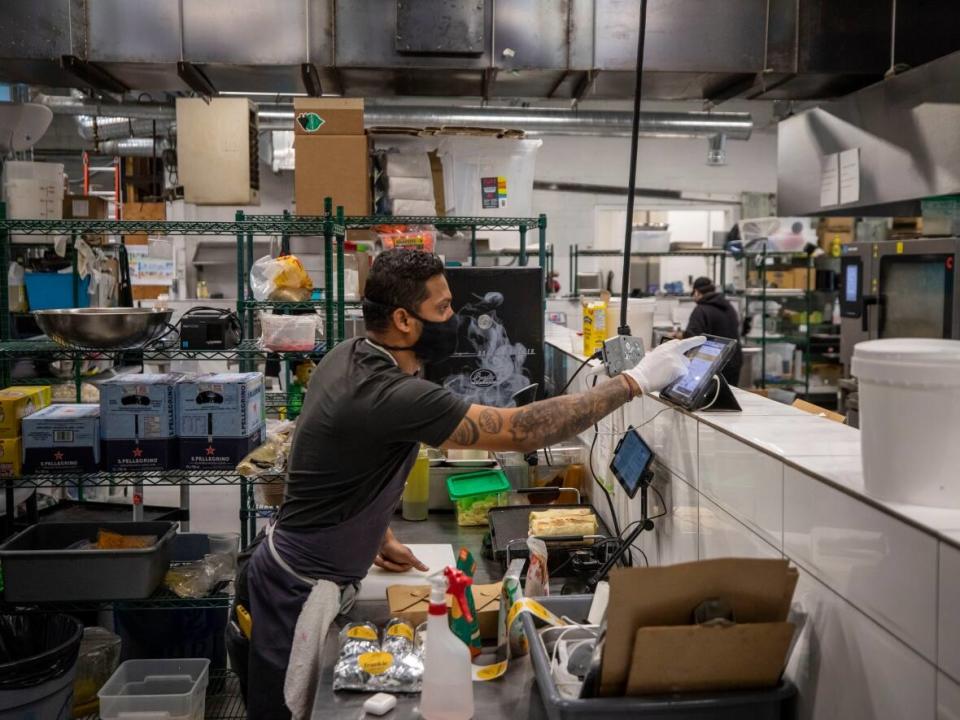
(306, 655)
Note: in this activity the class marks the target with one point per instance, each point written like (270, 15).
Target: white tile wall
(948, 698)
(877, 562)
(721, 535)
(949, 611)
(673, 437)
(849, 668)
(675, 535)
(745, 483)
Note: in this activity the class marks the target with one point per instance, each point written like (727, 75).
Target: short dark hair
(704, 285)
(398, 279)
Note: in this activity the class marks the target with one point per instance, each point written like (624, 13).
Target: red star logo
(210, 450)
(58, 455)
(137, 452)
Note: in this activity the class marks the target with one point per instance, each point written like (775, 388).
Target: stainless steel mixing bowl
(103, 328)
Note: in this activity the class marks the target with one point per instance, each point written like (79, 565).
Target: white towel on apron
(306, 654)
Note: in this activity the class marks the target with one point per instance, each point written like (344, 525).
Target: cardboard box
(84, 207)
(220, 405)
(62, 438)
(137, 454)
(328, 116)
(335, 166)
(840, 224)
(11, 451)
(653, 645)
(18, 402)
(218, 453)
(356, 268)
(411, 602)
(139, 406)
(436, 170)
(145, 211)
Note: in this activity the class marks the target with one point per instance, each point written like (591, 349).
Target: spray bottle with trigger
(447, 692)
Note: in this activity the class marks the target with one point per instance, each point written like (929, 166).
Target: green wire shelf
(272, 225)
(287, 306)
(246, 350)
(366, 221)
(162, 599)
(146, 478)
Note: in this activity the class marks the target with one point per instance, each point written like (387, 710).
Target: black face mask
(437, 341)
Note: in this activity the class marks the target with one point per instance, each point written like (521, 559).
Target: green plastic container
(473, 494)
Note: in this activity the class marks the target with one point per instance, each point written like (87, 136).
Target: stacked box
(62, 438)
(16, 403)
(138, 422)
(220, 418)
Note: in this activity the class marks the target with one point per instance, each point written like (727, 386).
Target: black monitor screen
(916, 296)
(631, 461)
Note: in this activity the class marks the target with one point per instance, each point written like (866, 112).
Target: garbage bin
(38, 659)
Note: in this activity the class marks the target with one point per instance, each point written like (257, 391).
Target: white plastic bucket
(640, 313)
(910, 419)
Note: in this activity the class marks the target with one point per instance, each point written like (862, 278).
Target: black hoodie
(714, 315)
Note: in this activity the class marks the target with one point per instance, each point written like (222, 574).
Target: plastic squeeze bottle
(447, 692)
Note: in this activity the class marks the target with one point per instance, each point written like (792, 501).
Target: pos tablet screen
(631, 462)
(706, 361)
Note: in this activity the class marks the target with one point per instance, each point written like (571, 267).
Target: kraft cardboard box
(11, 450)
(139, 406)
(328, 116)
(411, 603)
(18, 402)
(218, 453)
(654, 645)
(220, 405)
(62, 438)
(335, 166)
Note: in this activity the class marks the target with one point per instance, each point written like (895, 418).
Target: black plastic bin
(773, 704)
(38, 660)
(39, 566)
(176, 632)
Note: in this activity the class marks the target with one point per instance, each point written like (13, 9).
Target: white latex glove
(664, 364)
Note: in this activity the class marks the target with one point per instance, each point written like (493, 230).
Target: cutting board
(435, 557)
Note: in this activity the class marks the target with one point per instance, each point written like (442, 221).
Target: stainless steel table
(512, 696)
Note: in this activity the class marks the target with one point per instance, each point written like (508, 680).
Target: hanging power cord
(624, 329)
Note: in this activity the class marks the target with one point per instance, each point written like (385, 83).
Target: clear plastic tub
(473, 494)
(156, 689)
(294, 333)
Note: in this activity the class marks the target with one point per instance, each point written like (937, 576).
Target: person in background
(714, 315)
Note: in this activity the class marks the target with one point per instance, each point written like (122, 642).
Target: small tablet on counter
(695, 389)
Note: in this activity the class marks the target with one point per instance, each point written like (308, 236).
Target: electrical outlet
(622, 353)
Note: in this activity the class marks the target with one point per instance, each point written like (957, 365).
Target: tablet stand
(725, 400)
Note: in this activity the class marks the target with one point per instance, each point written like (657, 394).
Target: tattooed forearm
(549, 421)
(490, 421)
(466, 433)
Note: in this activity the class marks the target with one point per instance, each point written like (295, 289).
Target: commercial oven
(904, 288)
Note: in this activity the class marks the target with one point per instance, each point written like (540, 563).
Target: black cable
(624, 329)
(596, 356)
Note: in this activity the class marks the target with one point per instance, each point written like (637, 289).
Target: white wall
(663, 164)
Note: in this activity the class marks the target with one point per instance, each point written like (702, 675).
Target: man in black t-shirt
(714, 315)
(366, 411)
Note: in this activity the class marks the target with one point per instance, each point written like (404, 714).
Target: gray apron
(340, 553)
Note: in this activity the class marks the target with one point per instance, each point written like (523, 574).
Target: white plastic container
(294, 333)
(651, 241)
(910, 419)
(155, 689)
(640, 313)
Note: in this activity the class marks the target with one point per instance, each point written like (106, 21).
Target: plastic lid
(485, 482)
(912, 361)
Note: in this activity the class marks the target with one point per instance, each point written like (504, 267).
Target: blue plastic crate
(53, 291)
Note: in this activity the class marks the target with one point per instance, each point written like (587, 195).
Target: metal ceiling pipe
(133, 147)
(71, 105)
(93, 128)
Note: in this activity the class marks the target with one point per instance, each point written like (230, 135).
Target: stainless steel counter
(512, 696)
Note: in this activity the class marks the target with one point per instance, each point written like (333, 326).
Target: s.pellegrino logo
(310, 121)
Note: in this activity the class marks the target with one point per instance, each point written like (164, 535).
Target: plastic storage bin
(169, 689)
(54, 291)
(38, 660)
(909, 415)
(295, 333)
(767, 704)
(473, 494)
(40, 566)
